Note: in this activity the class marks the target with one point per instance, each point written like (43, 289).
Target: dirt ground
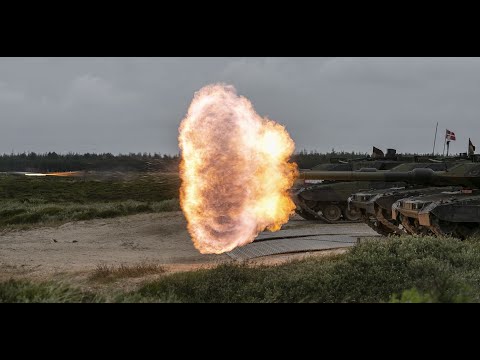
(147, 238)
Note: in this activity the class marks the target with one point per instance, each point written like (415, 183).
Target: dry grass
(43, 201)
(23, 291)
(15, 215)
(105, 273)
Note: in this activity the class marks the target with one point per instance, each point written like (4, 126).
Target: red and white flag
(450, 136)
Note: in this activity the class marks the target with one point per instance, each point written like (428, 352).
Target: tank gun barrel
(419, 176)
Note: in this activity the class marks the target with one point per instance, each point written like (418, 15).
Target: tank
(327, 201)
(375, 206)
(436, 203)
(448, 213)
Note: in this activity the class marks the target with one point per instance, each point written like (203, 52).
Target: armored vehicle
(448, 203)
(375, 205)
(327, 200)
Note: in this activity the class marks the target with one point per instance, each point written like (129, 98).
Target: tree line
(53, 162)
(138, 162)
(308, 159)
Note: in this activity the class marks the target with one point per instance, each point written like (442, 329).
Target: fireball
(235, 171)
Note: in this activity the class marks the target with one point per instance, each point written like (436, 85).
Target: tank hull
(455, 214)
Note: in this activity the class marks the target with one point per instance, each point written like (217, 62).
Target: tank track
(308, 214)
(416, 229)
(377, 226)
(436, 229)
(456, 231)
(409, 228)
(395, 230)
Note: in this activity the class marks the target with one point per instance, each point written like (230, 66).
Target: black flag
(471, 148)
(377, 153)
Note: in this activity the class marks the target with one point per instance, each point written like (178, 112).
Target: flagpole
(448, 147)
(435, 140)
(444, 143)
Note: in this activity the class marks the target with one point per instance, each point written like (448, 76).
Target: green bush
(412, 296)
(374, 271)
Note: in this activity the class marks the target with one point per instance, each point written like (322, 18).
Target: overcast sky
(123, 105)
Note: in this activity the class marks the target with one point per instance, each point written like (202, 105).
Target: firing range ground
(152, 238)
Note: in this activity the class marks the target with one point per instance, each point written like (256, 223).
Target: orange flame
(65, 174)
(235, 171)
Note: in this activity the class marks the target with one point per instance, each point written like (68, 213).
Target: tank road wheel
(332, 212)
(352, 214)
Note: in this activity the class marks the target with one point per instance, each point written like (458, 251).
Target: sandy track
(159, 238)
(146, 238)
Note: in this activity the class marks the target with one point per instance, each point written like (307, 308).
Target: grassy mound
(404, 269)
(27, 201)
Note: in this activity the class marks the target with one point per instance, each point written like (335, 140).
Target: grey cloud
(88, 89)
(8, 95)
(136, 104)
